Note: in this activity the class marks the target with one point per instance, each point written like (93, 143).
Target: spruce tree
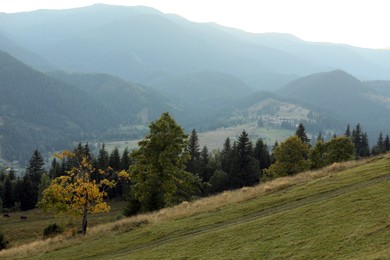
(34, 171)
(103, 158)
(301, 133)
(387, 143)
(125, 160)
(193, 165)
(8, 193)
(244, 170)
(347, 132)
(226, 155)
(262, 154)
(35, 168)
(115, 160)
(204, 163)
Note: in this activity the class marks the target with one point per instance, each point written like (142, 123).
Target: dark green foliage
(339, 149)
(115, 160)
(204, 171)
(193, 148)
(26, 194)
(291, 158)
(360, 140)
(34, 171)
(381, 145)
(244, 169)
(318, 155)
(157, 173)
(3, 241)
(8, 193)
(301, 133)
(52, 230)
(35, 168)
(102, 158)
(55, 169)
(387, 143)
(219, 181)
(262, 154)
(125, 160)
(347, 131)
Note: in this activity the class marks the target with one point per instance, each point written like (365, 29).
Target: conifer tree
(34, 171)
(301, 133)
(245, 170)
(204, 163)
(8, 193)
(125, 160)
(262, 154)
(115, 160)
(35, 168)
(103, 158)
(347, 132)
(387, 143)
(193, 165)
(157, 172)
(226, 155)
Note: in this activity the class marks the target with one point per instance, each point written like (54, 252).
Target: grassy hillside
(339, 212)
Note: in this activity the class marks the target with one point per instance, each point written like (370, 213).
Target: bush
(3, 241)
(52, 230)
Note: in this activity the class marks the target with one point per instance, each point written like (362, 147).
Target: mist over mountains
(104, 72)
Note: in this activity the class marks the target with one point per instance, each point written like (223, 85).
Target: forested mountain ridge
(132, 103)
(341, 94)
(143, 45)
(40, 111)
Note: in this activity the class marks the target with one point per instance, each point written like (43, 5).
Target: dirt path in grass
(324, 196)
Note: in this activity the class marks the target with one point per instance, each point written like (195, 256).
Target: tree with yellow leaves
(76, 193)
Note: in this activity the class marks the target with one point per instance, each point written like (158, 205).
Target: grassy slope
(18, 231)
(326, 214)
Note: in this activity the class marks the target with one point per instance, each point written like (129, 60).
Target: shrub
(52, 230)
(3, 241)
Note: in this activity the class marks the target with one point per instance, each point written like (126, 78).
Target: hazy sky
(364, 23)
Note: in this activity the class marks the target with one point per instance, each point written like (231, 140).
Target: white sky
(363, 23)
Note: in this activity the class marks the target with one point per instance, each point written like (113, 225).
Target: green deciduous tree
(157, 172)
(339, 149)
(291, 158)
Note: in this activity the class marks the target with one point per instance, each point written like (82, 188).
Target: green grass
(335, 214)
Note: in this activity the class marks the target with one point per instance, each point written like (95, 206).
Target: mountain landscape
(136, 62)
(166, 138)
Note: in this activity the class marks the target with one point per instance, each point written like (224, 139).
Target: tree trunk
(85, 213)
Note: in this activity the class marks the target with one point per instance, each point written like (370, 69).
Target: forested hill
(37, 110)
(131, 103)
(341, 94)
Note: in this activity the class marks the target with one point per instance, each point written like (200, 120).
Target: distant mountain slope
(9, 46)
(365, 63)
(132, 103)
(382, 87)
(141, 44)
(37, 110)
(342, 94)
